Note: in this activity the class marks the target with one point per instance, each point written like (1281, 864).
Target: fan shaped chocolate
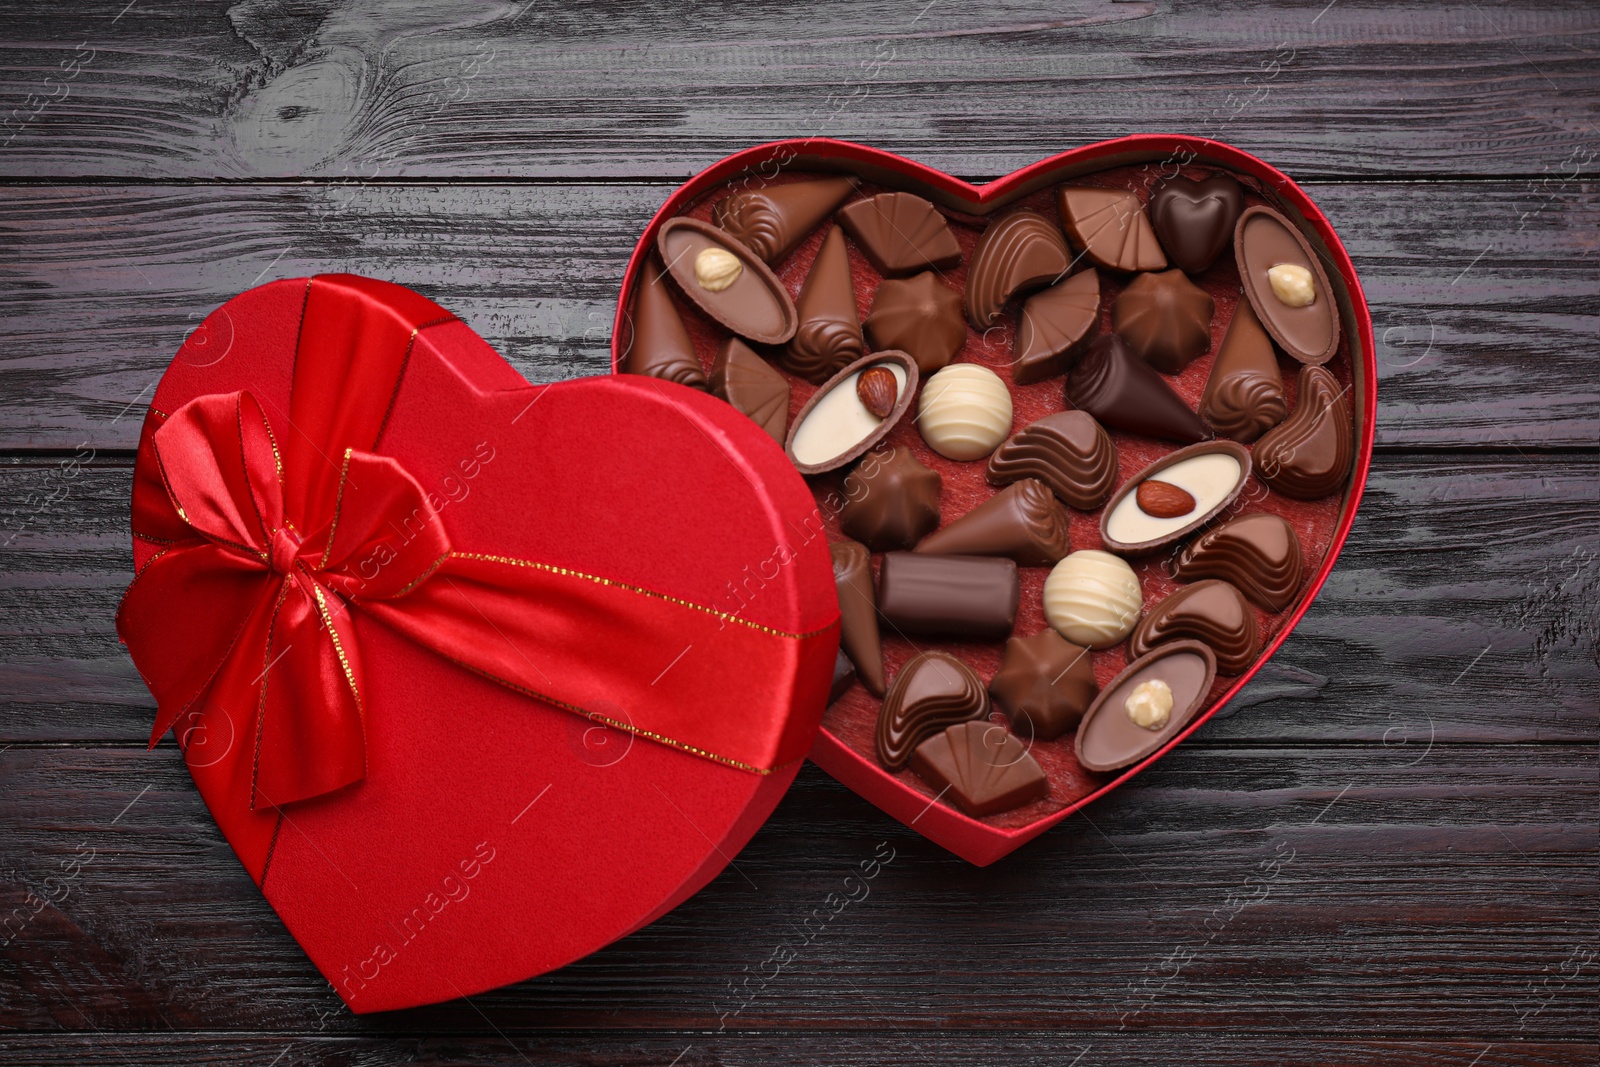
(1109, 737)
(1195, 220)
(660, 346)
(1044, 685)
(836, 426)
(1022, 522)
(858, 612)
(1244, 398)
(749, 301)
(1018, 252)
(933, 691)
(1126, 393)
(901, 233)
(749, 383)
(1257, 552)
(774, 219)
(919, 315)
(1212, 611)
(1308, 455)
(1068, 451)
(829, 334)
(1306, 325)
(1110, 227)
(1165, 318)
(981, 768)
(891, 500)
(1055, 326)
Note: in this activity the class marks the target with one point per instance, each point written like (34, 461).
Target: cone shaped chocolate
(660, 347)
(772, 221)
(749, 383)
(1023, 522)
(858, 613)
(1244, 395)
(829, 337)
(1126, 393)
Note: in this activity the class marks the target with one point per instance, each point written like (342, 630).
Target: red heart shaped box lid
(494, 836)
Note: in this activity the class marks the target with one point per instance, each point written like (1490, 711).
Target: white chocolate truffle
(964, 412)
(1150, 704)
(1092, 598)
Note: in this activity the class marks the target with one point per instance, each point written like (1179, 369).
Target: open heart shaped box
(983, 841)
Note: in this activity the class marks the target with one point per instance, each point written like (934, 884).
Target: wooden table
(1416, 769)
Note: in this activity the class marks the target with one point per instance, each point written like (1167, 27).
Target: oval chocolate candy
(1264, 240)
(754, 305)
(835, 427)
(1210, 474)
(1109, 737)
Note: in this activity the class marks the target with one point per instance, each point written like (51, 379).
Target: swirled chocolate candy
(829, 334)
(1284, 280)
(1018, 252)
(749, 383)
(1165, 318)
(773, 220)
(1092, 598)
(1022, 522)
(981, 768)
(1308, 455)
(1055, 327)
(1195, 220)
(1256, 552)
(726, 280)
(1125, 393)
(1244, 394)
(1110, 227)
(858, 612)
(948, 596)
(1044, 685)
(1067, 451)
(901, 233)
(660, 346)
(1118, 730)
(1211, 611)
(891, 500)
(964, 411)
(919, 315)
(934, 690)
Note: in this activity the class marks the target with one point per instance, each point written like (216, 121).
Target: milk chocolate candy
(980, 768)
(660, 346)
(1124, 392)
(1044, 685)
(1067, 451)
(1211, 611)
(1055, 327)
(1018, 252)
(948, 596)
(1195, 220)
(1258, 553)
(1022, 522)
(749, 383)
(891, 500)
(774, 219)
(740, 292)
(1283, 277)
(1308, 455)
(1165, 318)
(901, 233)
(829, 335)
(1109, 737)
(1201, 480)
(919, 315)
(933, 690)
(1110, 227)
(858, 612)
(1244, 394)
(844, 676)
(836, 426)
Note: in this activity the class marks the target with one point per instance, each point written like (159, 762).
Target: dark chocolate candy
(932, 691)
(660, 346)
(1308, 455)
(1125, 393)
(1044, 685)
(980, 768)
(1017, 252)
(1195, 220)
(1068, 451)
(844, 676)
(1022, 522)
(1055, 326)
(749, 383)
(1212, 611)
(1257, 552)
(919, 315)
(1110, 227)
(755, 305)
(829, 335)
(858, 612)
(1244, 394)
(1109, 739)
(948, 596)
(1264, 239)
(1210, 474)
(773, 220)
(901, 233)
(835, 426)
(891, 500)
(1165, 318)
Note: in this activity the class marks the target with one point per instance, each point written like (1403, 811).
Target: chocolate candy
(918, 315)
(660, 346)
(746, 381)
(1022, 522)
(829, 335)
(1067, 451)
(933, 690)
(891, 500)
(1257, 552)
(1044, 685)
(1209, 474)
(948, 596)
(1126, 393)
(901, 233)
(1019, 251)
(1296, 305)
(1110, 227)
(1092, 598)
(965, 411)
(751, 303)
(836, 426)
(1195, 220)
(844, 676)
(1211, 611)
(1165, 318)
(858, 612)
(1244, 394)
(773, 220)
(1308, 455)
(981, 768)
(1055, 327)
(1109, 737)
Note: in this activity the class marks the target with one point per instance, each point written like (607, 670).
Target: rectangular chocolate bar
(948, 596)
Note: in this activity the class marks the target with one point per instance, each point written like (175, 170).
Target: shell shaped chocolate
(748, 382)
(933, 691)
(1165, 318)
(1258, 553)
(901, 233)
(1308, 455)
(1111, 228)
(1020, 251)
(1068, 451)
(1055, 326)
(980, 767)
(1212, 611)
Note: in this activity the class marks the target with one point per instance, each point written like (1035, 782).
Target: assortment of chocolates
(1054, 447)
